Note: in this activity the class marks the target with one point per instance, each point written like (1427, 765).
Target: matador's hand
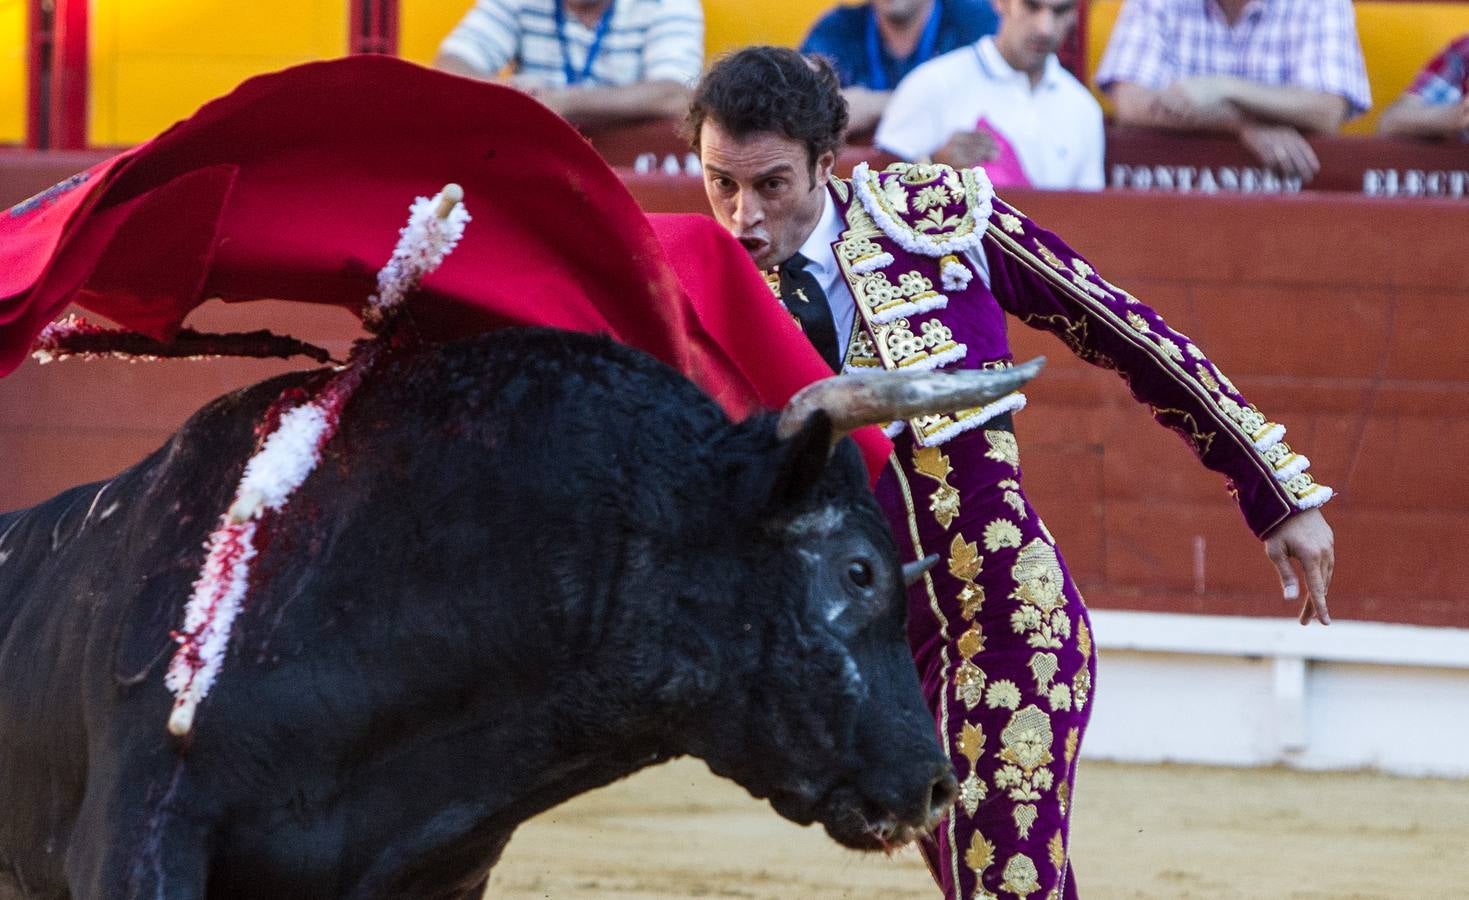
(1306, 538)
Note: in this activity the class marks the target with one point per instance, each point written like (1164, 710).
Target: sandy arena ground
(1140, 831)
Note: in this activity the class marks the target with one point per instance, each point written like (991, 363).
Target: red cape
(294, 187)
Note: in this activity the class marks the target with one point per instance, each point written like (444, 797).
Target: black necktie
(803, 296)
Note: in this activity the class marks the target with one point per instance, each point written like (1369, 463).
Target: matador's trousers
(1003, 648)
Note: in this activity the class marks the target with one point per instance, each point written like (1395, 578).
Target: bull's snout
(918, 809)
(942, 792)
(882, 811)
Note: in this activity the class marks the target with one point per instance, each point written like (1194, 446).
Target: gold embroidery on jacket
(1026, 752)
(893, 344)
(1015, 502)
(944, 501)
(1072, 333)
(1021, 876)
(1186, 425)
(1169, 347)
(1057, 849)
(1002, 447)
(941, 188)
(1041, 617)
(972, 792)
(1043, 668)
(972, 789)
(971, 742)
(1041, 265)
(1081, 687)
(969, 684)
(1001, 533)
(980, 855)
(861, 353)
(1051, 258)
(965, 564)
(943, 622)
(971, 642)
(878, 295)
(1002, 694)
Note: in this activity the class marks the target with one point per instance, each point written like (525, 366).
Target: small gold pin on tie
(801, 295)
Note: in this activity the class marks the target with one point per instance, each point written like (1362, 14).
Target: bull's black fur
(529, 564)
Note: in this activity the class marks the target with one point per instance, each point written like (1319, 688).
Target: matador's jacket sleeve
(1037, 278)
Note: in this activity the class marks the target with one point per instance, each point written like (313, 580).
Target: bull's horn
(914, 570)
(854, 400)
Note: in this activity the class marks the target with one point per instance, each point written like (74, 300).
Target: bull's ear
(797, 465)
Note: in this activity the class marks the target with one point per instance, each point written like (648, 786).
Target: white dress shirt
(1055, 127)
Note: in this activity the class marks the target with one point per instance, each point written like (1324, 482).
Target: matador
(916, 266)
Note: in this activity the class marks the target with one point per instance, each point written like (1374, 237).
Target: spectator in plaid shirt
(1264, 70)
(1436, 104)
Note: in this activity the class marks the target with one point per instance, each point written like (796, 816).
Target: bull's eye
(860, 573)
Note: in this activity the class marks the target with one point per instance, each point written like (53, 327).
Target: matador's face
(763, 189)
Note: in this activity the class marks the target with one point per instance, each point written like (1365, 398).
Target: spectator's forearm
(1138, 105)
(448, 63)
(864, 108)
(600, 107)
(1286, 105)
(1410, 117)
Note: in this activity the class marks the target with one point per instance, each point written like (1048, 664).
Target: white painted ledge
(1234, 691)
(1342, 641)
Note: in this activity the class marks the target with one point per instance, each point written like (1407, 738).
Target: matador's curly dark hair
(771, 89)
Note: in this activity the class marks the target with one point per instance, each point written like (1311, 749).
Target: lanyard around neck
(922, 54)
(572, 76)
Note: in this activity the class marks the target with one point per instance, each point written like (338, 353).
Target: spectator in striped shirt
(1264, 70)
(595, 62)
(1436, 104)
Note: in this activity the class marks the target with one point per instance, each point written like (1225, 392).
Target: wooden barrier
(1145, 159)
(1341, 316)
(1137, 159)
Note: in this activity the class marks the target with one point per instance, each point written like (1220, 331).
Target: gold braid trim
(1121, 328)
(938, 613)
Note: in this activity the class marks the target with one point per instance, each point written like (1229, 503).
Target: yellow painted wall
(423, 23)
(12, 71)
(728, 24)
(154, 62)
(733, 24)
(1397, 39)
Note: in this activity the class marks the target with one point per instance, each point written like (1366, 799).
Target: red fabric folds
(294, 187)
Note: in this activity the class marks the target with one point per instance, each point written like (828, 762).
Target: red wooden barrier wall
(1343, 317)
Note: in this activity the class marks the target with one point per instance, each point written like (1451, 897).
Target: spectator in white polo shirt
(1003, 102)
(595, 62)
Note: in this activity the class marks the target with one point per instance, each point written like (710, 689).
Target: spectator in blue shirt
(873, 45)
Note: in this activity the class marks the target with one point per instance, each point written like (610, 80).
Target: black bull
(528, 564)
